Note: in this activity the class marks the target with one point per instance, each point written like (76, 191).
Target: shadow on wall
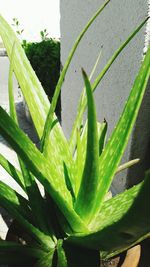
(140, 146)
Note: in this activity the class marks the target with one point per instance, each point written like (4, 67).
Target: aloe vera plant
(74, 223)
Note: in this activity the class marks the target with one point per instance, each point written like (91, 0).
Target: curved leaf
(32, 90)
(82, 101)
(119, 226)
(44, 171)
(49, 119)
(35, 199)
(111, 156)
(85, 203)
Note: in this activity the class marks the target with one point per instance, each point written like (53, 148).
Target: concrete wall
(113, 26)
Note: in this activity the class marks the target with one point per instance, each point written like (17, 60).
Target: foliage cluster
(74, 222)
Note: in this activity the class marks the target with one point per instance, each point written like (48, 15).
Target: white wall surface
(113, 26)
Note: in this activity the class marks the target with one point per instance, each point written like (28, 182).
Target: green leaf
(14, 253)
(44, 170)
(73, 138)
(46, 260)
(85, 203)
(61, 257)
(32, 90)
(49, 118)
(80, 139)
(36, 201)
(8, 193)
(80, 153)
(102, 136)
(17, 207)
(14, 173)
(112, 154)
(12, 108)
(119, 219)
(82, 101)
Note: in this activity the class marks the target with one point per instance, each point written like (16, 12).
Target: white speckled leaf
(49, 118)
(80, 153)
(46, 260)
(115, 147)
(47, 132)
(119, 222)
(36, 201)
(85, 203)
(45, 171)
(78, 122)
(37, 101)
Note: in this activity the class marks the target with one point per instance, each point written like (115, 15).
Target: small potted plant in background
(75, 223)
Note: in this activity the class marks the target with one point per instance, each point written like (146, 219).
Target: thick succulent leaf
(80, 153)
(85, 203)
(26, 77)
(61, 257)
(46, 260)
(37, 101)
(78, 125)
(49, 118)
(119, 226)
(45, 171)
(36, 201)
(14, 253)
(17, 207)
(14, 173)
(116, 145)
(82, 101)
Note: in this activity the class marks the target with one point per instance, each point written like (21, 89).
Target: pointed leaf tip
(88, 187)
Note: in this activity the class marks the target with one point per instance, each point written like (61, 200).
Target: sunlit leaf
(119, 219)
(49, 119)
(83, 102)
(43, 170)
(85, 203)
(31, 186)
(37, 101)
